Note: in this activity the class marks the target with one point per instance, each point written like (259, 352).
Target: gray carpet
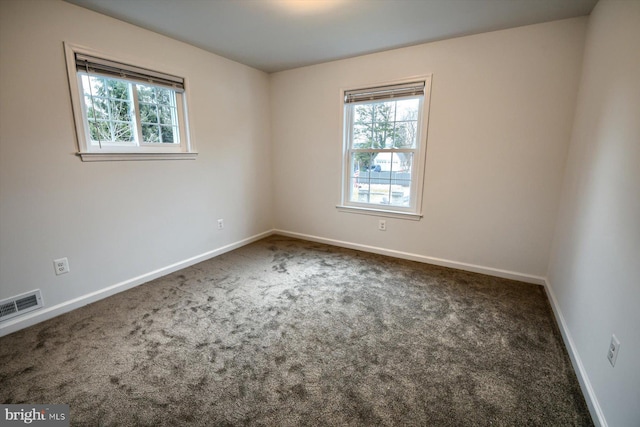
(285, 332)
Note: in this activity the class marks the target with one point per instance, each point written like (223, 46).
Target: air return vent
(20, 304)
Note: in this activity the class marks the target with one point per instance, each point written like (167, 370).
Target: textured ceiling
(275, 35)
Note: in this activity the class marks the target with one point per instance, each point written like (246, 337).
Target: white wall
(595, 267)
(118, 220)
(501, 111)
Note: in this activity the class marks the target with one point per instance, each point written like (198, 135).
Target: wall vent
(20, 304)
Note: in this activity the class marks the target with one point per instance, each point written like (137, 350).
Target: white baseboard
(38, 316)
(506, 274)
(587, 390)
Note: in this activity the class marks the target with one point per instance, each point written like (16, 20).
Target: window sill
(110, 157)
(379, 212)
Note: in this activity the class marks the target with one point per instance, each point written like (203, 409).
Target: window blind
(384, 92)
(93, 65)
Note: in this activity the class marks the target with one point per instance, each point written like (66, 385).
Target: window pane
(384, 125)
(167, 134)
(92, 85)
(145, 93)
(403, 163)
(99, 131)
(407, 107)
(148, 113)
(150, 133)
(86, 85)
(117, 89)
(163, 96)
(96, 108)
(406, 133)
(166, 115)
(361, 136)
(122, 132)
(360, 114)
(406, 123)
(372, 122)
(359, 179)
(363, 161)
(120, 110)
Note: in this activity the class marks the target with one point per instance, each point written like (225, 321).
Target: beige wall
(595, 267)
(501, 111)
(116, 221)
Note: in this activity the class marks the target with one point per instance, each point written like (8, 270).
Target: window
(125, 112)
(384, 148)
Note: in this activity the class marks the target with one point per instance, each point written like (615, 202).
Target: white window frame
(414, 211)
(184, 150)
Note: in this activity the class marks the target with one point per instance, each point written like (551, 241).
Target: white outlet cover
(61, 266)
(614, 349)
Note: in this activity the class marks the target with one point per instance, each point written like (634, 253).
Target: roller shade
(93, 65)
(384, 92)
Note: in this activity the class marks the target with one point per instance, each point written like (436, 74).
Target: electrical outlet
(61, 265)
(220, 224)
(614, 348)
(382, 225)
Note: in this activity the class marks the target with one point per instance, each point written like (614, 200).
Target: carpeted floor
(285, 332)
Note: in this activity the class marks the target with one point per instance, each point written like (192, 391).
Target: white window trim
(411, 213)
(380, 212)
(186, 150)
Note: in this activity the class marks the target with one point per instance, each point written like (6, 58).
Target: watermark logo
(35, 415)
